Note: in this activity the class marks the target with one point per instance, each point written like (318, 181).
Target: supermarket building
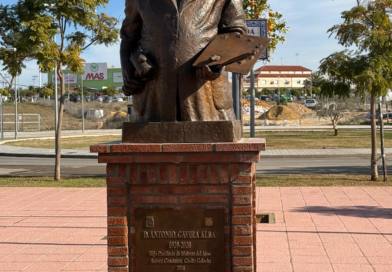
(96, 77)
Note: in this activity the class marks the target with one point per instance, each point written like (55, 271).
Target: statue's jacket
(173, 33)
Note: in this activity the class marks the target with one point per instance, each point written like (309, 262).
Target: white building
(280, 77)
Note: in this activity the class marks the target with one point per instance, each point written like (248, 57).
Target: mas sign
(95, 71)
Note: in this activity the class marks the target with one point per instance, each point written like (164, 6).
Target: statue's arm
(130, 36)
(233, 17)
(232, 20)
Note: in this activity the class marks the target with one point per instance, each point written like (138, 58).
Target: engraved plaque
(170, 240)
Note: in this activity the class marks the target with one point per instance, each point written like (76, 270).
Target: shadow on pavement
(331, 170)
(352, 211)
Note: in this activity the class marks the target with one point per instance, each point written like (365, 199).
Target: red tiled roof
(283, 75)
(283, 68)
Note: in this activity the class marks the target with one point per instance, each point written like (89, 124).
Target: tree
(367, 61)
(333, 111)
(110, 91)
(13, 34)
(5, 92)
(59, 31)
(277, 27)
(313, 85)
(29, 92)
(46, 91)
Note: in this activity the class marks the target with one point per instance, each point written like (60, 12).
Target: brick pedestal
(214, 178)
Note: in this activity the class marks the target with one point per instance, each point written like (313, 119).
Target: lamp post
(16, 108)
(252, 104)
(82, 99)
(2, 117)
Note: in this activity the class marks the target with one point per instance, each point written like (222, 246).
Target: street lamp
(16, 108)
(2, 116)
(82, 98)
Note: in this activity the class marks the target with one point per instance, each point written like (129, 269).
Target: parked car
(387, 115)
(310, 103)
(100, 99)
(118, 99)
(108, 99)
(265, 98)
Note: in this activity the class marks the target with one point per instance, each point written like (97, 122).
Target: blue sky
(307, 41)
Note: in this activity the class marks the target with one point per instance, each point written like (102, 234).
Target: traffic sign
(259, 28)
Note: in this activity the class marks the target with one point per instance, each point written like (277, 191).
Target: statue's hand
(210, 72)
(143, 66)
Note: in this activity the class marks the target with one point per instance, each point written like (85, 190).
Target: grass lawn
(320, 139)
(318, 180)
(68, 143)
(265, 181)
(49, 182)
(275, 140)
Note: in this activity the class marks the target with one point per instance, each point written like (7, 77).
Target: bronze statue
(160, 42)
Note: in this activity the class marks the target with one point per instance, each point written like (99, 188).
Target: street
(22, 166)
(317, 165)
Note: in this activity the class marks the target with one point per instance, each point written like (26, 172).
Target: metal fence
(25, 122)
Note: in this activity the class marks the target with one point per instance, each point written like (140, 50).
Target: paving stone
(50, 229)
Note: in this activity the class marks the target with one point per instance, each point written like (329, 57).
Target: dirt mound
(263, 104)
(281, 113)
(299, 108)
(259, 103)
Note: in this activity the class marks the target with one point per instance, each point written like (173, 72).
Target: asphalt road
(318, 165)
(16, 166)
(22, 166)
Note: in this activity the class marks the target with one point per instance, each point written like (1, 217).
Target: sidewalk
(13, 151)
(73, 133)
(331, 229)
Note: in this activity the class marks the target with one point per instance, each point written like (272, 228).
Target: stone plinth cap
(245, 145)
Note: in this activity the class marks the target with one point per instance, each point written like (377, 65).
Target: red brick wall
(186, 176)
(228, 186)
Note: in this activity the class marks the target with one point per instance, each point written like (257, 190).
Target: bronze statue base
(182, 132)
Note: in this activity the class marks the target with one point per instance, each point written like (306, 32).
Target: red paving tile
(317, 229)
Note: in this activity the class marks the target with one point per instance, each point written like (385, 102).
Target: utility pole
(236, 95)
(252, 104)
(2, 117)
(68, 83)
(382, 136)
(82, 98)
(40, 79)
(16, 108)
(385, 101)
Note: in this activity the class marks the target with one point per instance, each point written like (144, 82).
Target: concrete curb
(64, 156)
(52, 138)
(95, 156)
